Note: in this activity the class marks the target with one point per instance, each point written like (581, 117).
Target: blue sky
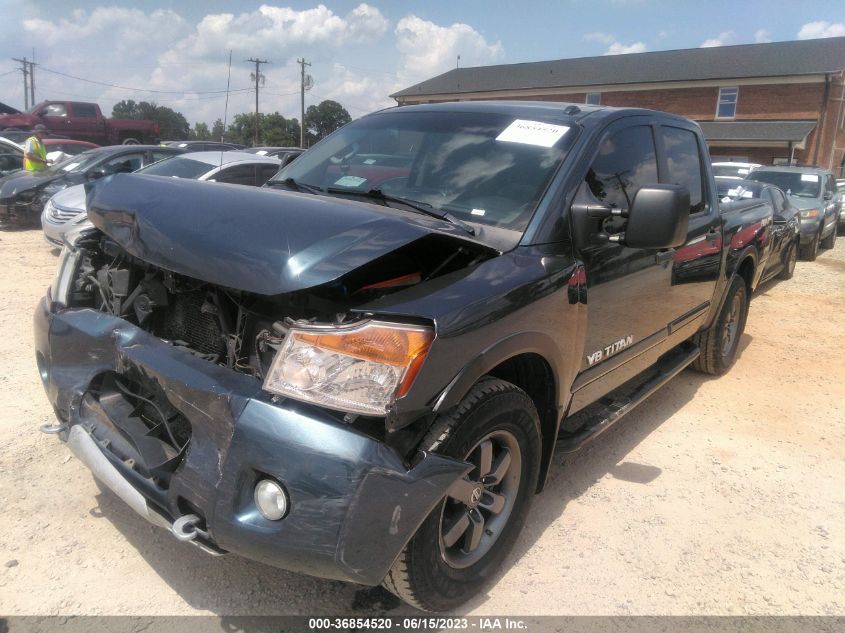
(176, 53)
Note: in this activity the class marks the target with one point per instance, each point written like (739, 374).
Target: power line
(110, 85)
(10, 72)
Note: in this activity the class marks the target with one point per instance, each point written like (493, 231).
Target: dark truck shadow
(234, 586)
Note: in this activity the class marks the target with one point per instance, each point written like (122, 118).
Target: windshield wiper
(296, 186)
(416, 205)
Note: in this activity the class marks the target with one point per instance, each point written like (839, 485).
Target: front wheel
(830, 240)
(462, 543)
(811, 250)
(719, 342)
(789, 262)
(131, 141)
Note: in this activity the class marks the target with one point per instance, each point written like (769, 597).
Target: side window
(626, 162)
(593, 98)
(55, 109)
(726, 104)
(123, 164)
(266, 172)
(86, 110)
(683, 160)
(237, 175)
(157, 156)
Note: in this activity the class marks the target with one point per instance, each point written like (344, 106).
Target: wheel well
(533, 374)
(746, 271)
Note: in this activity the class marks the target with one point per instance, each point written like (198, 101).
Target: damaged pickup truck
(362, 372)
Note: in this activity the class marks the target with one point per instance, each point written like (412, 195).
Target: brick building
(765, 103)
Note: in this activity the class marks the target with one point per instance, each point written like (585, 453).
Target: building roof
(785, 131)
(774, 59)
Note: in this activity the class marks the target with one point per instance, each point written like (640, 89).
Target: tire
(789, 262)
(130, 141)
(809, 252)
(434, 576)
(830, 240)
(719, 342)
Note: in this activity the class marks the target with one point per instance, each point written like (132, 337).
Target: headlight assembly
(809, 214)
(68, 265)
(360, 369)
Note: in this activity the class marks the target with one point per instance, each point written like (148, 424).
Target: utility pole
(257, 75)
(302, 89)
(26, 69)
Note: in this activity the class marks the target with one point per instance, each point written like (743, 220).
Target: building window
(726, 106)
(593, 98)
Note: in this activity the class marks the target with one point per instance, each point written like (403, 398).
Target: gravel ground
(717, 496)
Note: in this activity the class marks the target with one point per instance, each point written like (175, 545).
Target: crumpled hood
(19, 181)
(258, 240)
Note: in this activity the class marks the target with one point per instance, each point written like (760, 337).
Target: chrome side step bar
(673, 363)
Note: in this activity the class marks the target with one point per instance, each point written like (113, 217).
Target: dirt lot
(718, 496)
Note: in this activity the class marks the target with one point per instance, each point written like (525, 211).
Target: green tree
(323, 119)
(217, 131)
(174, 126)
(200, 132)
(273, 129)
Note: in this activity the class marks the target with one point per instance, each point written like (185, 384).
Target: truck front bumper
(354, 503)
(809, 231)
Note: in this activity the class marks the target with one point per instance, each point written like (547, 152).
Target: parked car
(813, 191)
(23, 194)
(20, 136)
(285, 154)
(738, 171)
(11, 157)
(205, 146)
(65, 211)
(786, 226)
(840, 188)
(60, 149)
(365, 377)
(83, 121)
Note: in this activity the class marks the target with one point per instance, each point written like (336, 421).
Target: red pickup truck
(83, 121)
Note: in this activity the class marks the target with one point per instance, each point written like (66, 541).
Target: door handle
(665, 256)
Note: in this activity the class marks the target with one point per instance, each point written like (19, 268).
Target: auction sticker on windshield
(350, 181)
(809, 177)
(533, 133)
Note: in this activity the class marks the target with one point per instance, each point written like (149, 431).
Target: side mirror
(828, 195)
(42, 113)
(96, 174)
(658, 217)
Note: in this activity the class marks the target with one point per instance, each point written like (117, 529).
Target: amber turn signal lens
(398, 347)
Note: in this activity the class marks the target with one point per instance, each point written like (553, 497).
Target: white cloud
(723, 39)
(598, 36)
(618, 48)
(429, 49)
(813, 30)
(762, 36)
(160, 50)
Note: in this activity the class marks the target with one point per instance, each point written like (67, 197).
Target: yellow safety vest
(36, 147)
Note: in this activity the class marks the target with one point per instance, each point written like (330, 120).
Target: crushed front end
(158, 382)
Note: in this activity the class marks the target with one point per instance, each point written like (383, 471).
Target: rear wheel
(131, 141)
(462, 543)
(789, 262)
(719, 342)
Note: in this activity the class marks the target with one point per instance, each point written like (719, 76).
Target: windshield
(739, 190)
(792, 182)
(734, 171)
(485, 168)
(177, 167)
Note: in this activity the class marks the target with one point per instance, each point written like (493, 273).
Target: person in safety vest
(34, 152)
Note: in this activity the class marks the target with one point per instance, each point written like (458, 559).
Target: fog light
(271, 499)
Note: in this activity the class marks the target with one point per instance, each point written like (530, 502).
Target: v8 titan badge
(610, 350)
